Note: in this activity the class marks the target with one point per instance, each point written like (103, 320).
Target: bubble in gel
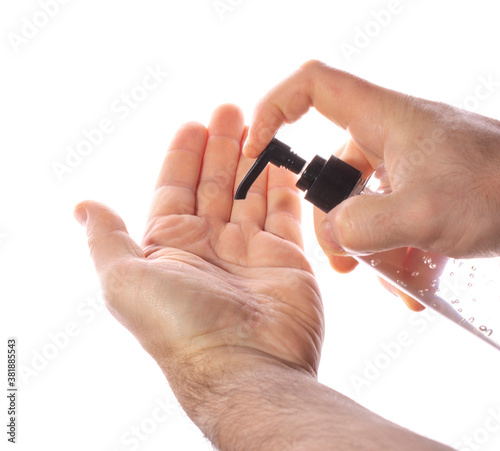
(472, 275)
(375, 262)
(459, 310)
(461, 264)
(469, 285)
(484, 329)
(452, 274)
(473, 268)
(401, 283)
(415, 274)
(471, 319)
(433, 266)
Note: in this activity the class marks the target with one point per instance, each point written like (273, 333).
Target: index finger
(364, 109)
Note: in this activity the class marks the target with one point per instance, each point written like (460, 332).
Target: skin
(221, 295)
(442, 164)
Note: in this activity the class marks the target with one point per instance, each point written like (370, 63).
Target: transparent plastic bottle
(466, 291)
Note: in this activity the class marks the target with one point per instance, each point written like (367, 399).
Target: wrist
(238, 399)
(200, 381)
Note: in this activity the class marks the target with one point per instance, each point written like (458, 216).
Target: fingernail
(328, 241)
(80, 214)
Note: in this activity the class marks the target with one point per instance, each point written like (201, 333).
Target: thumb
(108, 239)
(367, 224)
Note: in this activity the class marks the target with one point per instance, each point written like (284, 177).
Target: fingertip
(252, 147)
(249, 149)
(80, 213)
(228, 111)
(342, 265)
(99, 215)
(258, 139)
(193, 125)
(232, 107)
(190, 134)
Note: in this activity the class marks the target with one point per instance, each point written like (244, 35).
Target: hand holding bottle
(442, 162)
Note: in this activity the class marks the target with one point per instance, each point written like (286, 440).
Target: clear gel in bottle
(466, 291)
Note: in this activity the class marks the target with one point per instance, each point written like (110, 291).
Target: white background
(96, 386)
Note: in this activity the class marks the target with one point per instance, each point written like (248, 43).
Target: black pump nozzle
(326, 183)
(276, 153)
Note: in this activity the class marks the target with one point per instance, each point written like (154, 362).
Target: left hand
(217, 284)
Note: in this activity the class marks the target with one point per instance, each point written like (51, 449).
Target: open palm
(215, 279)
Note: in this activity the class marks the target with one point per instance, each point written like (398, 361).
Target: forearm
(277, 408)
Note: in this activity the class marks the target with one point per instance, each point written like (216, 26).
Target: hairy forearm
(278, 408)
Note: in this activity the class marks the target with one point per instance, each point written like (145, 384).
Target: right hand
(443, 165)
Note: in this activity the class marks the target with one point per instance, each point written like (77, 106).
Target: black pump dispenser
(277, 153)
(327, 183)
